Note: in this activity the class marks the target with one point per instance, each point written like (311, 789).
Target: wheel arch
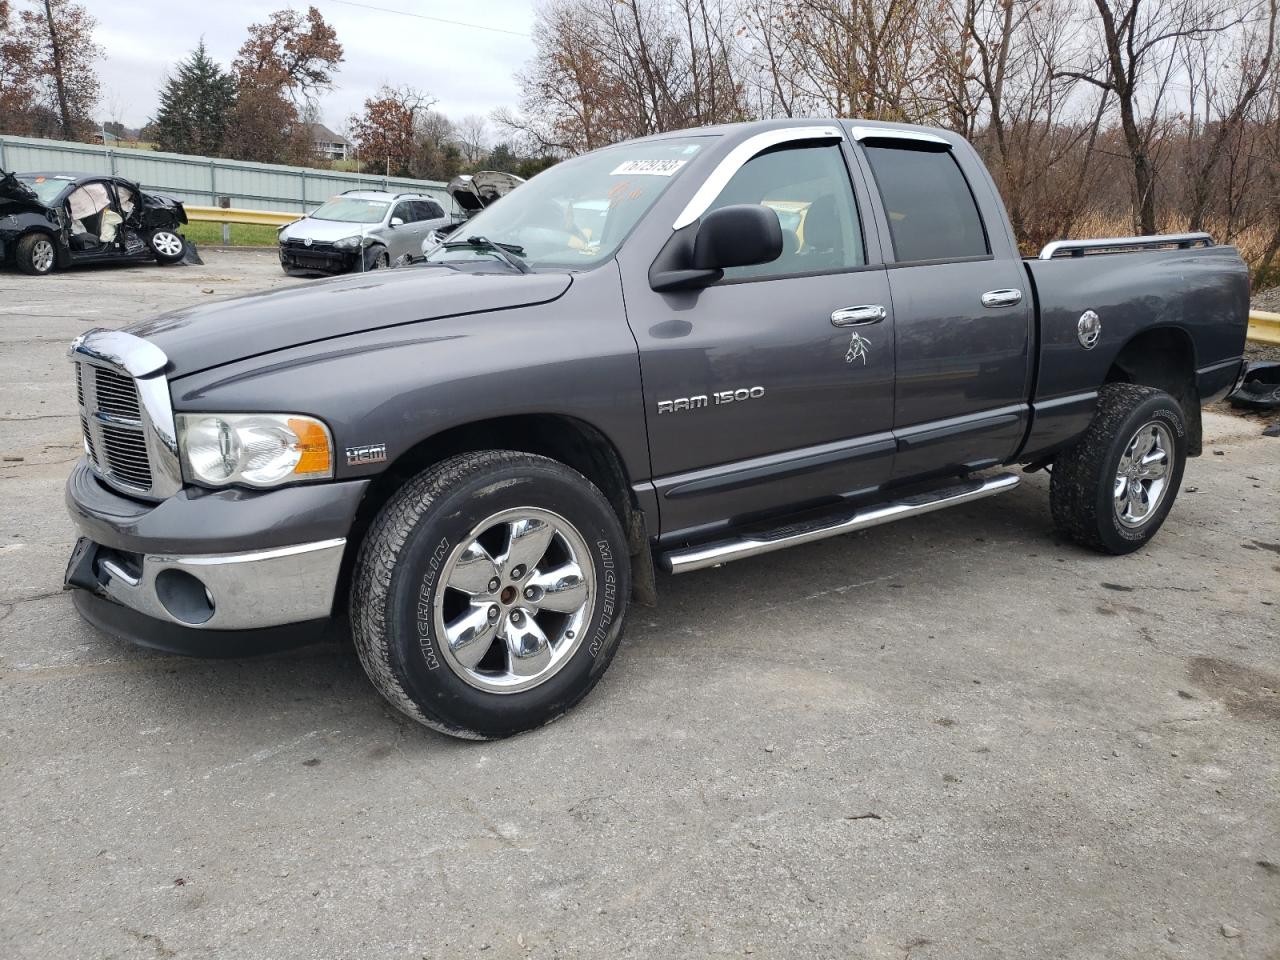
(560, 437)
(1164, 357)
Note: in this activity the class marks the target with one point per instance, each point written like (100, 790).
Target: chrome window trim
(897, 133)
(145, 363)
(738, 157)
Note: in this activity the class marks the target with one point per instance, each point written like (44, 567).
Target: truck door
(773, 388)
(961, 306)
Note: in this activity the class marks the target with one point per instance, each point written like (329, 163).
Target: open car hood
(11, 188)
(211, 334)
(475, 191)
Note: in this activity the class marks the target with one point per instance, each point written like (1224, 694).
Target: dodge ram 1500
(673, 352)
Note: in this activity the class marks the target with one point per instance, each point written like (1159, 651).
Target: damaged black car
(55, 220)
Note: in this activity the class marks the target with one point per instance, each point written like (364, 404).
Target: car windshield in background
(578, 212)
(351, 210)
(46, 188)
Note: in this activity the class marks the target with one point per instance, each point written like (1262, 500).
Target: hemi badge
(373, 453)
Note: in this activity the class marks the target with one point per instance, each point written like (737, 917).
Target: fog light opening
(184, 596)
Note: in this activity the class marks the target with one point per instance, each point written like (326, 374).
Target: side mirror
(397, 222)
(738, 236)
(735, 236)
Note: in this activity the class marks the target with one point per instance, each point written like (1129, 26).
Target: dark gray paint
(949, 385)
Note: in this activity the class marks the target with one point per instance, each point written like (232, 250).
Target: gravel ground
(951, 737)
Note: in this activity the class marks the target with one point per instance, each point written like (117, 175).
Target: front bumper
(215, 562)
(231, 591)
(326, 261)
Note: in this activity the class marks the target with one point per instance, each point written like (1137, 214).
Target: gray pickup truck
(673, 352)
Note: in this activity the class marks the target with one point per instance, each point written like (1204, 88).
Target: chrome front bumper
(233, 591)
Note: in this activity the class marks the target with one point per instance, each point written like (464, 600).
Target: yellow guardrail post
(1264, 327)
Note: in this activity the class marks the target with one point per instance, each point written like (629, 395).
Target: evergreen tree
(194, 106)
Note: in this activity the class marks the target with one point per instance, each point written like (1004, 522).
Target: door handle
(857, 316)
(1002, 298)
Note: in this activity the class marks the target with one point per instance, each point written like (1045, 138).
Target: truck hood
(209, 335)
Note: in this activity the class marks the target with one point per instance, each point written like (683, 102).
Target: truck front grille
(115, 439)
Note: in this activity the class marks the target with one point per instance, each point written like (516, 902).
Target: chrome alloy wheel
(515, 598)
(1142, 477)
(42, 256)
(167, 244)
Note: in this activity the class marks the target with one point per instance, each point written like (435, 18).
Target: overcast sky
(468, 69)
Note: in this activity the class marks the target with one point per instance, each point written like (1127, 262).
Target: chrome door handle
(856, 316)
(1002, 298)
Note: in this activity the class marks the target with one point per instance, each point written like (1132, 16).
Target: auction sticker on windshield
(651, 168)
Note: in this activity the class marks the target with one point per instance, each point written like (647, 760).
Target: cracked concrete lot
(953, 737)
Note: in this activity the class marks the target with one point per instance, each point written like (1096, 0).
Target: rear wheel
(489, 594)
(167, 245)
(1112, 490)
(36, 254)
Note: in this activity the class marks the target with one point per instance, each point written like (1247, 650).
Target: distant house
(327, 144)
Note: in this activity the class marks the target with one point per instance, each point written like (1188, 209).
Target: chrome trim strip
(115, 348)
(712, 555)
(1078, 247)
(896, 133)
(737, 158)
(261, 588)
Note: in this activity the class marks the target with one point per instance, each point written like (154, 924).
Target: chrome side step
(723, 551)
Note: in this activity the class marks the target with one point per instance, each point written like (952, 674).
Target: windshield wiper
(504, 251)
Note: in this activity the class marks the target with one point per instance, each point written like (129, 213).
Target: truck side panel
(1203, 293)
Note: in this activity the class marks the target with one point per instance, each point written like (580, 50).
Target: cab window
(931, 210)
(404, 211)
(808, 187)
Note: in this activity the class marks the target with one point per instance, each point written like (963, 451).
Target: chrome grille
(116, 394)
(115, 439)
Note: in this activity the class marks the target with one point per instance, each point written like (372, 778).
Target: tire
(36, 254)
(168, 246)
(406, 600)
(381, 259)
(1103, 492)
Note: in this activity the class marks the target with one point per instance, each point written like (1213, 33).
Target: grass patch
(242, 234)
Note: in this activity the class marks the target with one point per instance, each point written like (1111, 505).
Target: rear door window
(931, 210)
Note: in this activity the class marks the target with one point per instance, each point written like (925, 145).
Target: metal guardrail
(266, 218)
(1264, 327)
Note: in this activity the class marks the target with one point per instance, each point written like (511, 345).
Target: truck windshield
(576, 213)
(351, 210)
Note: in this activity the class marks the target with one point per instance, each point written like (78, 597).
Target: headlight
(350, 243)
(254, 449)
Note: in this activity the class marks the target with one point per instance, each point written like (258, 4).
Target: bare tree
(1142, 44)
(471, 133)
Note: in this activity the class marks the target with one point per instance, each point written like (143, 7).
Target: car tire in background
(167, 245)
(489, 593)
(377, 258)
(1112, 489)
(36, 254)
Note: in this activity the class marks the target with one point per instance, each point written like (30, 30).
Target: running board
(752, 545)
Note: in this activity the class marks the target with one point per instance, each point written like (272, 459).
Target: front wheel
(489, 594)
(35, 254)
(166, 245)
(1113, 489)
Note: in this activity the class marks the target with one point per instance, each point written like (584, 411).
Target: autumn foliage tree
(386, 133)
(280, 69)
(48, 70)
